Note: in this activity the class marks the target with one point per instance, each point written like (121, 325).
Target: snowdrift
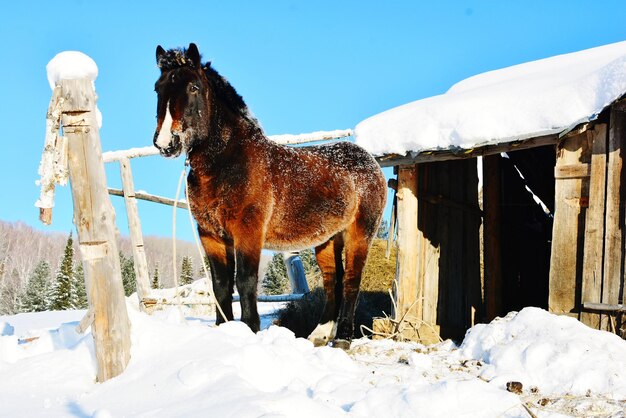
(190, 368)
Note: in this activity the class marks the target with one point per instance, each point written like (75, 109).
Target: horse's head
(182, 105)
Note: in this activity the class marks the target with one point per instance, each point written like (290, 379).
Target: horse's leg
(246, 278)
(328, 257)
(248, 243)
(358, 237)
(222, 262)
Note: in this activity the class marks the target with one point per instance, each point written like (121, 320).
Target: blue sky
(300, 66)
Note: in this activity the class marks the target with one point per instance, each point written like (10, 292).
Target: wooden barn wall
(588, 251)
(570, 257)
(604, 250)
(448, 246)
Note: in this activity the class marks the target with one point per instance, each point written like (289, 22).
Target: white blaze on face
(165, 134)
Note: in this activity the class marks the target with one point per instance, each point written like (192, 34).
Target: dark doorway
(526, 230)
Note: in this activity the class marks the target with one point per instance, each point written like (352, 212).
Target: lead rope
(177, 294)
(197, 240)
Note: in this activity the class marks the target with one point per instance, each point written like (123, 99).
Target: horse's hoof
(319, 342)
(323, 333)
(340, 343)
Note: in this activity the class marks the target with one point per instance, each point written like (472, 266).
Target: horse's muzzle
(173, 149)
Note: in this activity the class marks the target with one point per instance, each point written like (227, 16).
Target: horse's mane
(176, 58)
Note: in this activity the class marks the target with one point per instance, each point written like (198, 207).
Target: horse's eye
(194, 88)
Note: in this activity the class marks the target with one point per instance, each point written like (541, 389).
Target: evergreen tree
(201, 272)
(9, 293)
(81, 291)
(156, 281)
(309, 262)
(63, 293)
(129, 279)
(186, 271)
(383, 230)
(34, 297)
(276, 281)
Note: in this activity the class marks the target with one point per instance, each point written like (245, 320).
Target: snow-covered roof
(537, 98)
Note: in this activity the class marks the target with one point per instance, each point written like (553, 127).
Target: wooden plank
(260, 298)
(431, 229)
(572, 171)
(407, 290)
(94, 218)
(48, 167)
(614, 221)
(472, 293)
(151, 198)
(568, 230)
(492, 218)
(140, 263)
(605, 307)
(594, 226)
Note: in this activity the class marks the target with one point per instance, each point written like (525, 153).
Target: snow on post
(71, 75)
(66, 65)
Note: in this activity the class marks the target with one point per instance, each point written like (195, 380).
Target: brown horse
(248, 193)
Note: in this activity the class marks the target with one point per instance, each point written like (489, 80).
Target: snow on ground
(541, 97)
(188, 368)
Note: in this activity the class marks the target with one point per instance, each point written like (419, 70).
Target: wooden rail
(286, 139)
(151, 198)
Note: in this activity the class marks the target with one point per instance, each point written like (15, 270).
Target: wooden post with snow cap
(94, 217)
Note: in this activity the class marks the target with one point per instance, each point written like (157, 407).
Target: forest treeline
(40, 259)
(41, 270)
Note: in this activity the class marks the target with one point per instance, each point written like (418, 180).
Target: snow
(583, 360)
(548, 96)
(70, 65)
(190, 368)
(284, 139)
(291, 139)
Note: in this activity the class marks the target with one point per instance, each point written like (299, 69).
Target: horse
(248, 193)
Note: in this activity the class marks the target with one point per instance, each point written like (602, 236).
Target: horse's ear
(159, 53)
(193, 54)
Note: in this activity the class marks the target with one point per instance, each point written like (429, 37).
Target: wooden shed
(510, 193)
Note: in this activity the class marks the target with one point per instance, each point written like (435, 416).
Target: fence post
(94, 218)
(134, 225)
(295, 272)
